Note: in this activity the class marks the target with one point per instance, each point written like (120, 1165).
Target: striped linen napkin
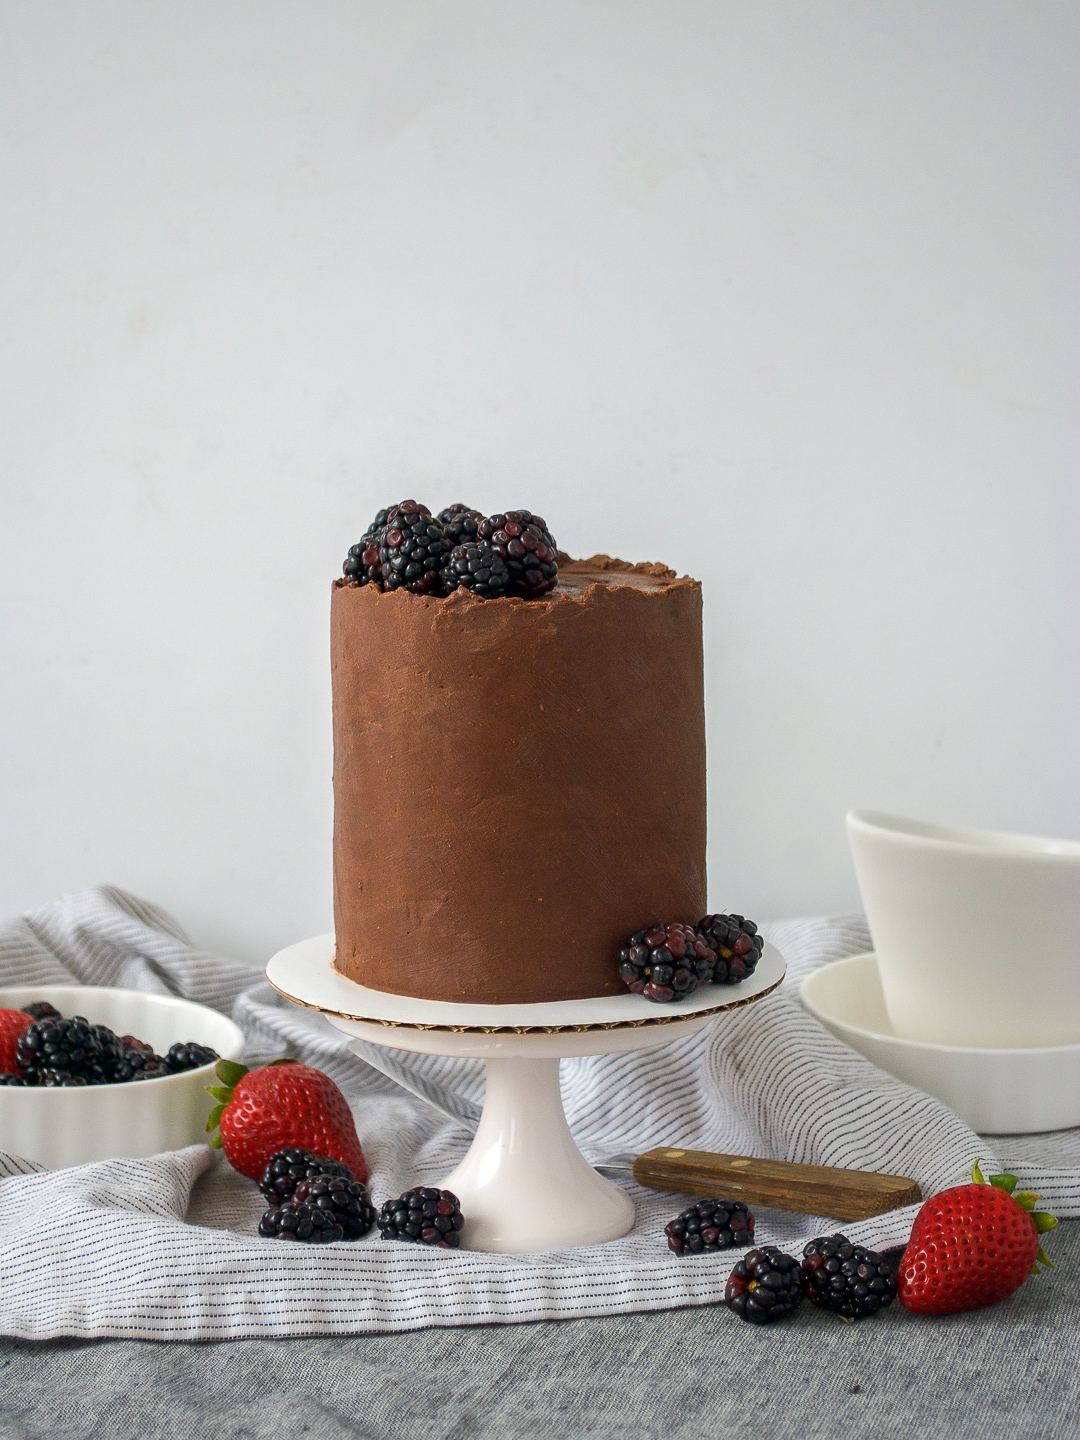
(166, 1248)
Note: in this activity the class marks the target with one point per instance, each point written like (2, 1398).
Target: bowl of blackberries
(90, 1073)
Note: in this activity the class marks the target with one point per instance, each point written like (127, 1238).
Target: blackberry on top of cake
(406, 547)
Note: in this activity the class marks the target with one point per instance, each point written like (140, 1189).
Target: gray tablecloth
(1007, 1373)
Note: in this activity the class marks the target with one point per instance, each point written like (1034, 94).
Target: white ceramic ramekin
(997, 1092)
(977, 933)
(59, 1127)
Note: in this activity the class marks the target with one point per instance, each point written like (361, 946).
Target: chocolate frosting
(518, 784)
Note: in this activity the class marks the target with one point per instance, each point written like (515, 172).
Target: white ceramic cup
(977, 933)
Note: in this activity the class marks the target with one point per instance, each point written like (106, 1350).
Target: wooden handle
(808, 1189)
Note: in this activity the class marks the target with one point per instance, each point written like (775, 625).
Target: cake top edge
(577, 579)
(608, 564)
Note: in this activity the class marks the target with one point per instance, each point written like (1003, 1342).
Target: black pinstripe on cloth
(166, 1248)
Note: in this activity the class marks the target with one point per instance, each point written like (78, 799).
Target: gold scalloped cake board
(666, 1019)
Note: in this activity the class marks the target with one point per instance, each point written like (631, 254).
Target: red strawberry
(971, 1246)
(284, 1103)
(12, 1025)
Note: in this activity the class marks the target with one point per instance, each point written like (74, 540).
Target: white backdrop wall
(779, 293)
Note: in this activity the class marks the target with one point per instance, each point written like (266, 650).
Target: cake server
(807, 1189)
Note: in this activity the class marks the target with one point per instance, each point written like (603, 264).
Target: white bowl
(977, 932)
(997, 1092)
(58, 1127)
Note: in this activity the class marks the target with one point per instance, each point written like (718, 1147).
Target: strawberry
(12, 1025)
(283, 1103)
(972, 1245)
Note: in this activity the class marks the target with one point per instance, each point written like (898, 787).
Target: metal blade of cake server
(616, 1165)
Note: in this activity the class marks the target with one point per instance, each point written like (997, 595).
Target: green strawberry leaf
(215, 1141)
(224, 1093)
(230, 1072)
(1042, 1258)
(1043, 1221)
(977, 1175)
(213, 1118)
(1008, 1183)
(285, 1060)
(1027, 1199)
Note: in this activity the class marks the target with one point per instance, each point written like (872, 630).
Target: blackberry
(134, 1059)
(307, 1223)
(346, 1201)
(8, 1079)
(287, 1168)
(890, 1257)
(39, 1009)
(362, 563)
(424, 1217)
(736, 945)
(58, 1079)
(479, 569)
(126, 1067)
(459, 524)
(666, 962)
(527, 548)
(765, 1286)
(847, 1279)
(189, 1056)
(710, 1225)
(68, 1047)
(156, 1067)
(30, 1045)
(412, 550)
(112, 1049)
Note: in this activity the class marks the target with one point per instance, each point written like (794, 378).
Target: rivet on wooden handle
(806, 1189)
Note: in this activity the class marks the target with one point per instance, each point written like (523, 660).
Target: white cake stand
(524, 1185)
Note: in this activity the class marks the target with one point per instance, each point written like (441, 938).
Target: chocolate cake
(519, 784)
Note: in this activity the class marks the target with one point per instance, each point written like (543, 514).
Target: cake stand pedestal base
(524, 1185)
